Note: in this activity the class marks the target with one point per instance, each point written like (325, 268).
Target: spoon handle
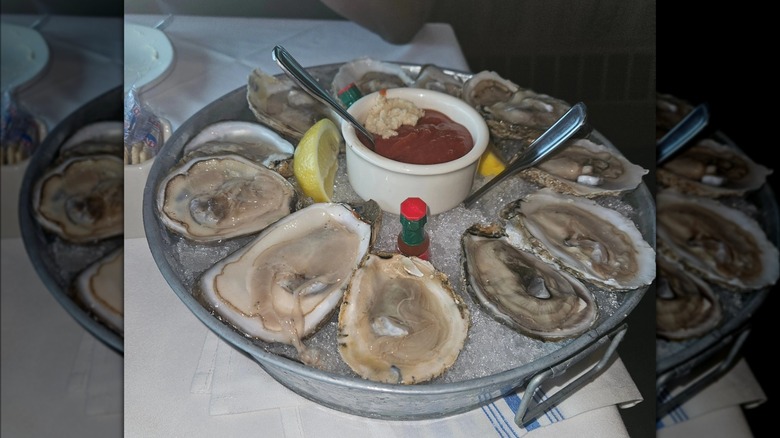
(682, 132)
(301, 77)
(553, 137)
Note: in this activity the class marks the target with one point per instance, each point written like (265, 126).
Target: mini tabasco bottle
(413, 240)
(349, 94)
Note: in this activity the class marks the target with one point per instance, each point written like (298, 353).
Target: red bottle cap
(414, 209)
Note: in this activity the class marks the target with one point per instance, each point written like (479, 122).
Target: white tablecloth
(176, 369)
(57, 379)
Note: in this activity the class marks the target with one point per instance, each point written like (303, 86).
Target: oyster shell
(585, 168)
(712, 169)
(520, 290)
(100, 288)
(369, 75)
(253, 141)
(279, 103)
(486, 88)
(685, 305)
(97, 138)
(81, 198)
(434, 78)
(286, 283)
(212, 198)
(596, 244)
(401, 321)
(719, 243)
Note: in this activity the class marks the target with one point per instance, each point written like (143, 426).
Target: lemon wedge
(490, 164)
(315, 161)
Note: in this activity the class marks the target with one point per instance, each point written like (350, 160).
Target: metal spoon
(301, 77)
(682, 133)
(556, 135)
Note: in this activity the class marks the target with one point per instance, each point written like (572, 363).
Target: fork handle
(555, 135)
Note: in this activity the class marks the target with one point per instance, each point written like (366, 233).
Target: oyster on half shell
(401, 321)
(279, 103)
(685, 305)
(712, 169)
(720, 243)
(286, 283)
(585, 168)
(520, 290)
(100, 289)
(369, 75)
(81, 198)
(596, 244)
(211, 198)
(251, 140)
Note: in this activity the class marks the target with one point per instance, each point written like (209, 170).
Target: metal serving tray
(695, 364)
(57, 261)
(355, 395)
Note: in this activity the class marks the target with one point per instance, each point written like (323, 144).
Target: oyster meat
(81, 198)
(596, 244)
(279, 103)
(713, 169)
(369, 75)
(719, 243)
(100, 288)
(685, 305)
(401, 321)
(520, 290)
(585, 168)
(434, 78)
(212, 198)
(286, 283)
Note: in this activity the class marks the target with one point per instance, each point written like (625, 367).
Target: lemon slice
(315, 161)
(490, 164)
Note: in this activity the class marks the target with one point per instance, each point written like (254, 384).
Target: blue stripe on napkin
(498, 421)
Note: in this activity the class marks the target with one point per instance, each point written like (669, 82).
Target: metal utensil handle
(665, 382)
(559, 132)
(301, 77)
(525, 415)
(682, 132)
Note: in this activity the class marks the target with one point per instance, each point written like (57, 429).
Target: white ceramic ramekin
(389, 182)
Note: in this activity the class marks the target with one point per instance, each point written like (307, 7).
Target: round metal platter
(58, 262)
(738, 307)
(341, 391)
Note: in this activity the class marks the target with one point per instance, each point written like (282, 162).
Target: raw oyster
(253, 141)
(97, 138)
(523, 292)
(434, 78)
(81, 199)
(486, 88)
(286, 283)
(596, 244)
(712, 169)
(719, 243)
(283, 106)
(515, 116)
(585, 168)
(685, 305)
(100, 289)
(212, 198)
(401, 321)
(370, 75)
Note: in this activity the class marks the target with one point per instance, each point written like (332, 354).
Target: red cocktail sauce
(434, 139)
